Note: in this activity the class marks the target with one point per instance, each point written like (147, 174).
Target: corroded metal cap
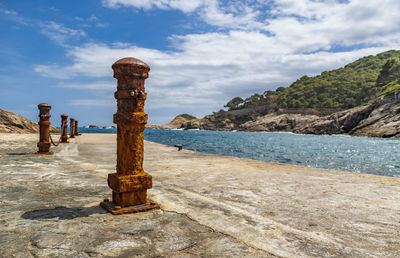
(132, 67)
(44, 105)
(131, 61)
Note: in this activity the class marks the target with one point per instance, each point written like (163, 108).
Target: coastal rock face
(274, 122)
(210, 123)
(175, 123)
(383, 121)
(226, 121)
(14, 123)
(337, 123)
(379, 118)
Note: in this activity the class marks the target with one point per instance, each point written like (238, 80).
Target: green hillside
(347, 87)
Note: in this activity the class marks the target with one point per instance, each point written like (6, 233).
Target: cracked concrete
(211, 206)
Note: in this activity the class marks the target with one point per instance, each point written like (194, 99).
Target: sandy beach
(210, 206)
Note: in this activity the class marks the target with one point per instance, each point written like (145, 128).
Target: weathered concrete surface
(49, 207)
(211, 206)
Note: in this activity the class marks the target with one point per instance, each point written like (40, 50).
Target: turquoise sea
(356, 154)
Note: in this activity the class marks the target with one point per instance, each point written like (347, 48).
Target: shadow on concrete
(19, 154)
(63, 213)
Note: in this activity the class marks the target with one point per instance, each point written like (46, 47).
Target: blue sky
(202, 53)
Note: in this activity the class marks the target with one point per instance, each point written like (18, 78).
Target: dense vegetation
(347, 87)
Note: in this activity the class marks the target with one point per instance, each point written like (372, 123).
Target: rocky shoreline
(378, 118)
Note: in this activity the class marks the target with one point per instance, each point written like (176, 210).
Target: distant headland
(362, 98)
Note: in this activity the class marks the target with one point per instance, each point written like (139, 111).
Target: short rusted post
(130, 183)
(72, 128)
(44, 129)
(64, 128)
(76, 128)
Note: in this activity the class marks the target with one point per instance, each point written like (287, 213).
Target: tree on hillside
(395, 70)
(280, 89)
(253, 100)
(234, 103)
(390, 72)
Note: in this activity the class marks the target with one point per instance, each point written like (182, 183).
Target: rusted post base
(44, 153)
(128, 190)
(129, 193)
(118, 210)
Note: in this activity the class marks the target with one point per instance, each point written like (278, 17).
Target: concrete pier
(210, 206)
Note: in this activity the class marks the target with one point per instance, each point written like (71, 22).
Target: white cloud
(59, 33)
(183, 5)
(55, 31)
(13, 16)
(102, 25)
(232, 14)
(91, 20)
(8, 12)
(97, 85)
(235, 15)
(206, 70)
(199, 77)
(93, 102)
(314, 25)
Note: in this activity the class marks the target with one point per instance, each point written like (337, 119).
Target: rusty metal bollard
(64, 128)
(71, 128)
(76, 128)
(130, 183)
(44, 129)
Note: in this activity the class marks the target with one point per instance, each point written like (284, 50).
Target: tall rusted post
(44, 129)
(130, 183)
(64, 128)
(72, 128)
(76, 128)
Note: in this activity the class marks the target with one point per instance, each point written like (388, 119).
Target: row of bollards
(130, 182)
(44, 129)
(64, 128)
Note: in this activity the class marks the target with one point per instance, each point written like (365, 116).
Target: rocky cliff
(378, 118)
(14, 123)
